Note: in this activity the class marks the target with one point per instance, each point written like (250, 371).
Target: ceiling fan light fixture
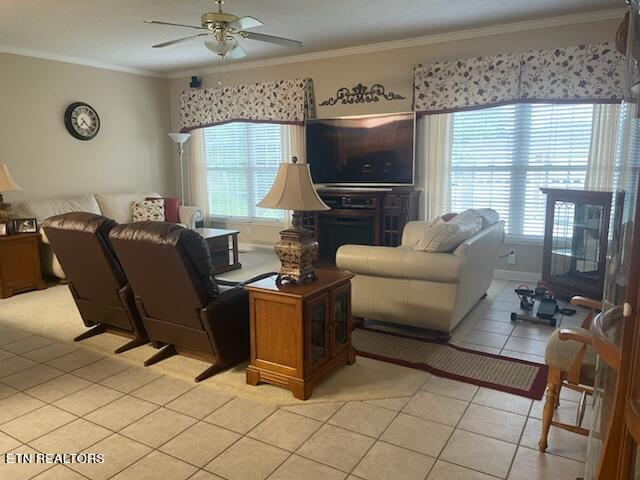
(220, 30)
(219, 47)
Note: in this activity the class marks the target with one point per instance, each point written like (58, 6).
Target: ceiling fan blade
(245, 23)
(285, 42)
(155, 22)
(237, 52)
(179, 40)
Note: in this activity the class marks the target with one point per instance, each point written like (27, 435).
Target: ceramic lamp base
(5, 212)
(297, 250)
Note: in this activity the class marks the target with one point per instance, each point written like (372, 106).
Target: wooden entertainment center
(363, 216)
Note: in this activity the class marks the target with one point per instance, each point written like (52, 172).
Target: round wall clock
(81, 121)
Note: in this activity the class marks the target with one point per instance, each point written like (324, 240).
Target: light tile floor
(155, 427)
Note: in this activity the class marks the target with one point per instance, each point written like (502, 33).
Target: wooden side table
(19, 264)
(224, 257)
(299, 335)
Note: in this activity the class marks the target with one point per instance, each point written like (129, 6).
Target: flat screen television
(364, 150)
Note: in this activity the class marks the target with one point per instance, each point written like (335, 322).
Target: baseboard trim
(514, 276)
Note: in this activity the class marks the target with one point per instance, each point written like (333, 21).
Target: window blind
(242, 162)
(502, 156)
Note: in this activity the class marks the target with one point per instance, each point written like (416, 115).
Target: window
(242, 162)
(502, 156)
(627, 161)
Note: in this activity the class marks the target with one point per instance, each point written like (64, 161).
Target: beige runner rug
(506, 374)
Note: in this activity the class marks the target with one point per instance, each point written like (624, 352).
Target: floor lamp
(179, 139)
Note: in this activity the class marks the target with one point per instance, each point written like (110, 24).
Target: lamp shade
(179, 137)
(293, 190)
(7, 183)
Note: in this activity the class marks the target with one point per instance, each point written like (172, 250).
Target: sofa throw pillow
(149, 210)
(489, 216)
(171, 208)
(441, 236)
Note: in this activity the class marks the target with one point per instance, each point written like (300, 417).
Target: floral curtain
(591, 73)
(281, 101)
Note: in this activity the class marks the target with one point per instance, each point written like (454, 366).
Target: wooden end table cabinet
(299, 335)
(19, 264)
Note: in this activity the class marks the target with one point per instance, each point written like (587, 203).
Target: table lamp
(7, 184)
(297, 250)
(179, 139)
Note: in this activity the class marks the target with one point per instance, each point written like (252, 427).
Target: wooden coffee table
(224, 253)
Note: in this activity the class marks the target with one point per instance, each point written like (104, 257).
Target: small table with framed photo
(19, 264)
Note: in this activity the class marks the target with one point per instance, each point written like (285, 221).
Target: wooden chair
(571, 361)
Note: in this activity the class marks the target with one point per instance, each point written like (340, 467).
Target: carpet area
(518, 377)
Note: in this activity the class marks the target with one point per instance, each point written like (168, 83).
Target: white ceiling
(112, 32)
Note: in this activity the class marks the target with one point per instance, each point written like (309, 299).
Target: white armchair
(189, 216)
(429, 290)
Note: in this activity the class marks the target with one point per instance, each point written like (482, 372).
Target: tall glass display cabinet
(615, 427)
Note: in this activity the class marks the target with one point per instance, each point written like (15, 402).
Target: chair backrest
(169, 270)
(80, 240)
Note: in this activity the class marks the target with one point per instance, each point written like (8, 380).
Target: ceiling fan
(221, 30)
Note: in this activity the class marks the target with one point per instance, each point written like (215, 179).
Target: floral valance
(586, 72)
(281, 101)
(450, 85)
(583, 73)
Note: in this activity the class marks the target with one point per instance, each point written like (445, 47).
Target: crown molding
(601, 15)
(575, 19)
(81, 61)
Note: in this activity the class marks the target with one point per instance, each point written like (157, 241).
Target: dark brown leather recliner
(99, 286)
(180, 303)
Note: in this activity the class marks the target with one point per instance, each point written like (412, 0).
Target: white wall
(130, 153)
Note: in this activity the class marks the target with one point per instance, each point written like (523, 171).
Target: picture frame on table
(25, 225)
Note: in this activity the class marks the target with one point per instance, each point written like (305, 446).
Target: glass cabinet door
(341, 308)
(611, 448)
(317, 319)
(576, 240)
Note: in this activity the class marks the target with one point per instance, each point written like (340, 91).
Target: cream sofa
(422, 289)
(117, 206)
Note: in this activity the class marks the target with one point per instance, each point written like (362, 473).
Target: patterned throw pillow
(441, 236)
(489, 216)
(171, 208)
(149, 210)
